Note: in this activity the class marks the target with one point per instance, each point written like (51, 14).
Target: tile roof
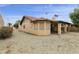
(34, 18)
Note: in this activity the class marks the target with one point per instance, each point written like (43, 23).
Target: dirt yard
(26, 43)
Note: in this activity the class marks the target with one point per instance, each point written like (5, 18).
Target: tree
(55, 15)
(16, 25)
(9, 24)
(75, 16)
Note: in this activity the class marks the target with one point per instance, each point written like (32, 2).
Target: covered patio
(60, 27)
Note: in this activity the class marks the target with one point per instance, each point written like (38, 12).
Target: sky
(13, 12)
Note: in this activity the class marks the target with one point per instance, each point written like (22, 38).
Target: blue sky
(13, 12)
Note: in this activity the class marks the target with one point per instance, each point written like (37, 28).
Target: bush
(6, 32)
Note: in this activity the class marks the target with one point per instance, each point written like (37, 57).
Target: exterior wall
(26, 26)
(0, 26)
(41, 27)
(36, 28)
(1, 22)
(46, 28)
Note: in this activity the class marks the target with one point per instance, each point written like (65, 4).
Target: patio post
(65, 28)
(59, 28)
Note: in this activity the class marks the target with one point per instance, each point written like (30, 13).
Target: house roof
(33, 19)
(42, 19)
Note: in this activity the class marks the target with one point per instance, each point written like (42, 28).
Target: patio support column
(59, 28)
(44, 25)
(69, 26)
(38, 26)
(44, 28)
(65, 28)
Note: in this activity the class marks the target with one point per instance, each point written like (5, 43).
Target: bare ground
(26, 43)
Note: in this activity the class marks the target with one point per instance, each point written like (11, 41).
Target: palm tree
(56, 15)
(9, 24)
(16, 25)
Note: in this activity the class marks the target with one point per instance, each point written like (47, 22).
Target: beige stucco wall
(0, 26)
(38, 31)
(46, 30)
(1, 22)
(29, 27)
(35, 27)
(26, 24)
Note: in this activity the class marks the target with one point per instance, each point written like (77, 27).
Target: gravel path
(25, 43)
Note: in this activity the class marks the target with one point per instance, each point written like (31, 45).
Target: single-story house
(43, 26)
(1, 22)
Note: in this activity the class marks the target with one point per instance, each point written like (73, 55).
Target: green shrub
(6, 32)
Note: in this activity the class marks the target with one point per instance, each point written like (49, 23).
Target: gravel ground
(53, 44)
